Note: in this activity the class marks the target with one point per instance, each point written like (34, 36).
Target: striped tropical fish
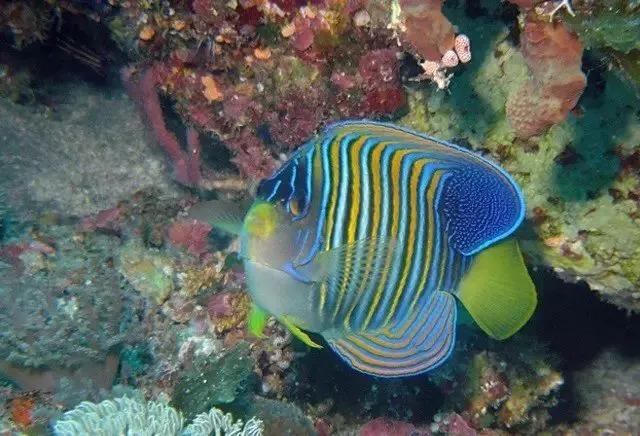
(367, 233)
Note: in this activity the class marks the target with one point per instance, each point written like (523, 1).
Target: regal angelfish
(369, 233)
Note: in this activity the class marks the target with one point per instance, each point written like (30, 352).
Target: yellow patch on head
(262, 220)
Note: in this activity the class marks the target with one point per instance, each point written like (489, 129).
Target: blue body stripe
(391, 286)
(385, 204)
(341, 218)
(417, 266)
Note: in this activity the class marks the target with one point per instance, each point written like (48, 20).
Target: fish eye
(295, 206)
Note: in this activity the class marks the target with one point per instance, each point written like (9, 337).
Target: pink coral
(554, 57)
(450, 59)
(189, 234)
(389, 427)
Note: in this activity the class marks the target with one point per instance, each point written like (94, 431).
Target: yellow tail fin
(497, 290)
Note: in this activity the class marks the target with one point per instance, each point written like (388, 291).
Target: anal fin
(421, 342)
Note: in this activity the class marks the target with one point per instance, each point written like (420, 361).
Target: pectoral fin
(349, 260)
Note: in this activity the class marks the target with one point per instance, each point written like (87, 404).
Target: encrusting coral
(554, 58)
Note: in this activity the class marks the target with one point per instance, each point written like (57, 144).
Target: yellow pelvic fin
(297, 332)
(497, 290)
(257, 320)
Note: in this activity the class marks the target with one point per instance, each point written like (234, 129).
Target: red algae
(22, 411)
(554, 57)
(191, 235)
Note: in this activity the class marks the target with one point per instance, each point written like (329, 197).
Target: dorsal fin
(420, 343)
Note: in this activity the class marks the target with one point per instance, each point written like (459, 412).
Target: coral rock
(149, 273)
(228, 309)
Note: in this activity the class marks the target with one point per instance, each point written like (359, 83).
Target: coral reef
(134, 417)
(263, 76)
(578, 178)
(499, 391)
(95, 248)
(608, 395)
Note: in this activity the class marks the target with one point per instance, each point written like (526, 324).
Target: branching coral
(186, 163)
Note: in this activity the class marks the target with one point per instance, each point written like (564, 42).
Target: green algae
(149, 271)
(609, 25)
(612, 28)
